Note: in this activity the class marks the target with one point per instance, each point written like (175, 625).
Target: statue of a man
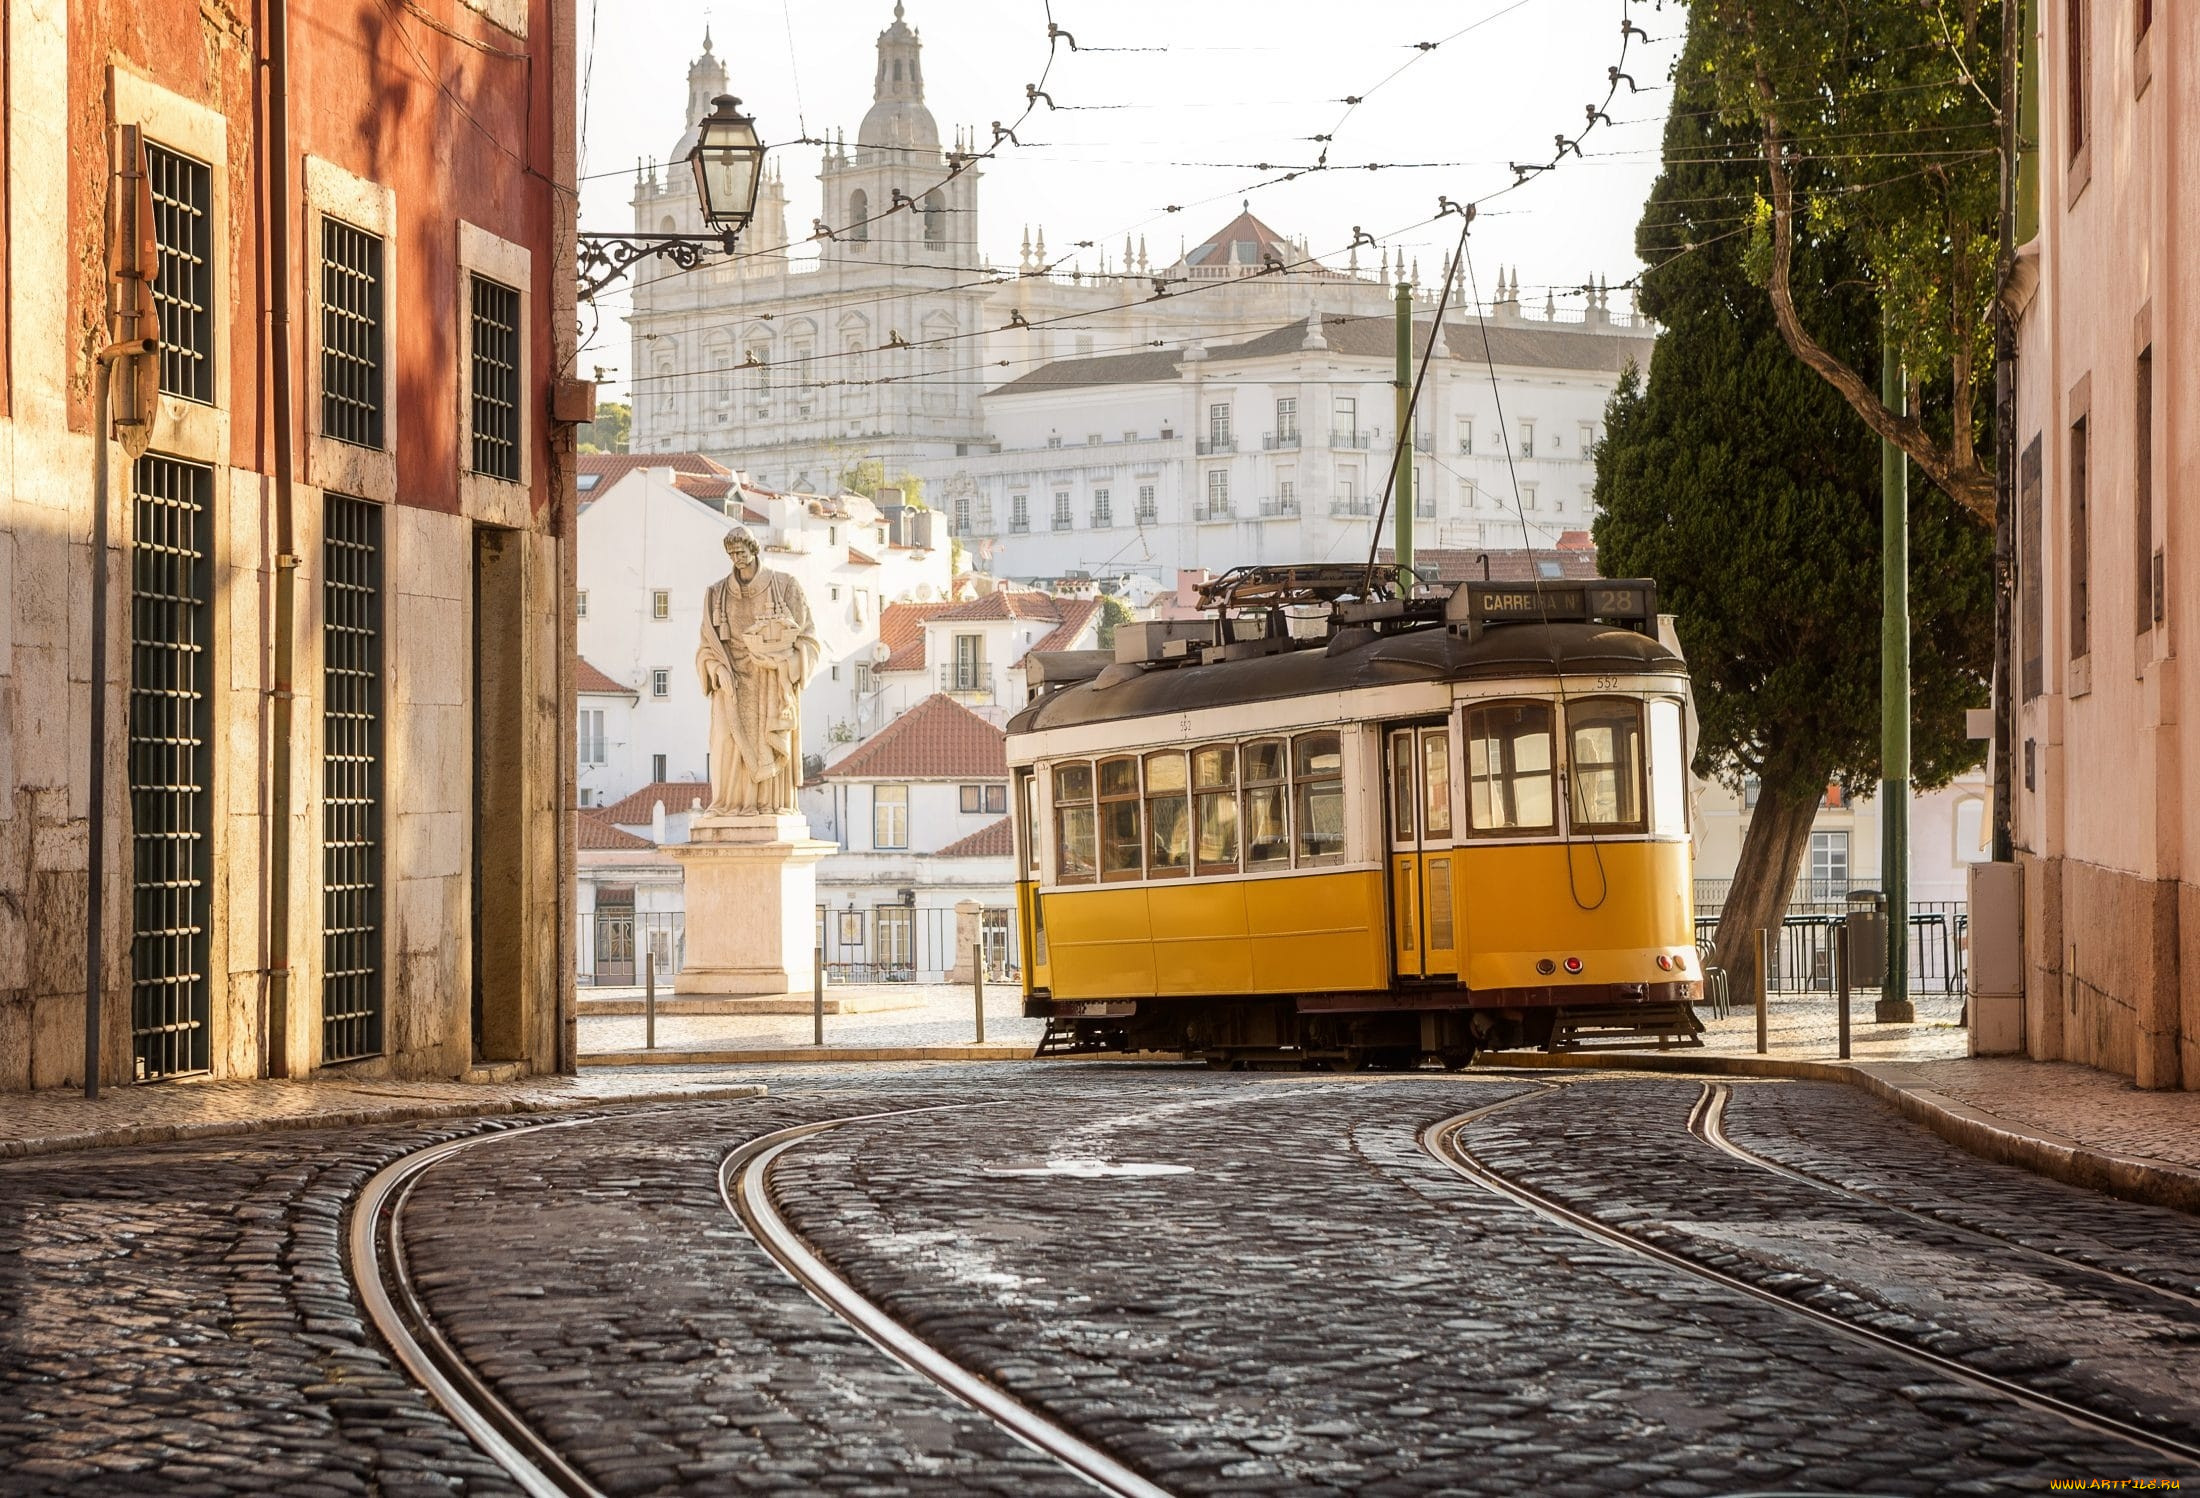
(758, 649)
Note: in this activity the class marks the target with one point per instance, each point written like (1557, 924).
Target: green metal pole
(1894, 694)
(1402, 522)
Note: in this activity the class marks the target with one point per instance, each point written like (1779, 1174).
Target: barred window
(496, 380)
(351, 334)
(352, 968)
(183, 288)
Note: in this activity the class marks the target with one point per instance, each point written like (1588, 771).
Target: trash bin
(1867, 927)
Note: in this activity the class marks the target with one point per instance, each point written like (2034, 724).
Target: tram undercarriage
(1351, 1031)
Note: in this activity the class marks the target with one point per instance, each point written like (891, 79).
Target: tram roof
(1521, 650)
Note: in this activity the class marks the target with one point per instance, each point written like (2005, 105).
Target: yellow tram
(1338, 823)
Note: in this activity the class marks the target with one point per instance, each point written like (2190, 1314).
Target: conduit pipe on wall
(276, 1053)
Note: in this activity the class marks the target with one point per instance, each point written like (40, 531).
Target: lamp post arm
(605, 258)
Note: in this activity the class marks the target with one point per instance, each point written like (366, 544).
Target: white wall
(643, 534)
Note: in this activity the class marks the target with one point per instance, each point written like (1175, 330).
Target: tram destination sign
(1629, 601)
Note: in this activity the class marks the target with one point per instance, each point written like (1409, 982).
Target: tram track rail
(1442, 1142)
(1707, 1123)
(744, 1181)
(382, 1275)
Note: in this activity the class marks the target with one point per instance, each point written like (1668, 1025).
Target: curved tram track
(1441, 1141)
(376, 1257)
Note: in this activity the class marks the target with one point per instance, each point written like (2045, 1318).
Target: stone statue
(758, 649)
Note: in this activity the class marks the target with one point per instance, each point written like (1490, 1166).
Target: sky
(1166, 112)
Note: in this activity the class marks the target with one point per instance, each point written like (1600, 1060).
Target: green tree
(1114, 611)
(1749, 489)
(1879, 121)
(868, 476)
(608, 433)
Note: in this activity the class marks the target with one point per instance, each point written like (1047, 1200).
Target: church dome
(897, 118)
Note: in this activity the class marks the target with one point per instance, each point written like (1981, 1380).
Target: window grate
(183, 213)
(496, 380)
(351, 334)
(351, 782)
(171, 810)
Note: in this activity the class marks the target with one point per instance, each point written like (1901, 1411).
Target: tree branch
(1969, 485)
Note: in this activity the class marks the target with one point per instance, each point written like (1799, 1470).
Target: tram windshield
(1606, 734)
(1509, 767)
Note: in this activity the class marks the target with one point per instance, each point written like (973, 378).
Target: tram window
(1267, 825)
(1075, 838)
(1607, 763)
(1401, 787)
(1668, 769)
(1509, 767)
(1436, 782)
(1168, 817)
(1119, 850)
(1215, 810)
(1317, 781)
(1028, 821)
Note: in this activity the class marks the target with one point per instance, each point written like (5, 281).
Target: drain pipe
(95, 902)
(277, 1053)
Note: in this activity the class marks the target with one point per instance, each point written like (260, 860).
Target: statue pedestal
(751, 904)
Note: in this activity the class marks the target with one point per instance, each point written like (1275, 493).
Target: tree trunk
(1772, 852)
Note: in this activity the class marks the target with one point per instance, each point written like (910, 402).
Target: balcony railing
(1216, 510)
(1212, 445)
(1279, 441)
(1103, 520)
(967, 679)
(1279, 506)
(1062, 523)
(1019, 525)
(1147, 515)
(1352, 507)
(1424, 442)
(1357, 439)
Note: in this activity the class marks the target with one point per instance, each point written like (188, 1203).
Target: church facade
(879, 332)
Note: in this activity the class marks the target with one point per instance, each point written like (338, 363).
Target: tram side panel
(1621, 906)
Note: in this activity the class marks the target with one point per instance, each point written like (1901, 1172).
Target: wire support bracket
(602, 259)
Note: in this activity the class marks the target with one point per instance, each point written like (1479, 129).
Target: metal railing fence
(1802, 954)
(907, 944)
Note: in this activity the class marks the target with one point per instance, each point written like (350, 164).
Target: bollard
(1841, 980)
(977, 985)
(649, 999)
(1764, 984)
(817, 995)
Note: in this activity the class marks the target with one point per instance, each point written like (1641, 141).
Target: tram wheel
(1222, 1061)
(1457, 1060)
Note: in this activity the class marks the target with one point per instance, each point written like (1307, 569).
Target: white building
(976, 651)
(920, 812)
(1278, 448)
(652, 539)
(795, 366)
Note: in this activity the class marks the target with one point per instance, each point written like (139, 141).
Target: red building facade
(331, 655)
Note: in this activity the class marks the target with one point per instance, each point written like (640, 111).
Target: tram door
(1422, 857)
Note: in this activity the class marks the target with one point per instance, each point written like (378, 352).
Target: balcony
(1062, 523)
(1279, 441)
(1103, 520)
(1216, 513)
(1147, 515)
(968, 682)
(1019, 525)
(1209, 446)
(1353, 439)
(1271, 508)
(1424, 442)
(1355, 506)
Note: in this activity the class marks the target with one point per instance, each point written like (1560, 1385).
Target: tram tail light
(1573, 965)
(1665, 963)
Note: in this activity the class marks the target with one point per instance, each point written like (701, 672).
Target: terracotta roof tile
(676, 794)
(858, 559)
(901, 630)
(594, 832)
(993, 841)
(586, 678)
(938, 739)
(1006, 603)
(1077, 613)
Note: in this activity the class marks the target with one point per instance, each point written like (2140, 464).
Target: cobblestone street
(1230, 1283)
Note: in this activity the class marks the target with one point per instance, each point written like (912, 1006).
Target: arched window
(859, 209)
(935, 218)
(665, 225)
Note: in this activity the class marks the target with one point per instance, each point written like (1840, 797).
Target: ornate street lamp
(728, 161)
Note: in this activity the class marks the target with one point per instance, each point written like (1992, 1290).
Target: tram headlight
(1573, 965)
